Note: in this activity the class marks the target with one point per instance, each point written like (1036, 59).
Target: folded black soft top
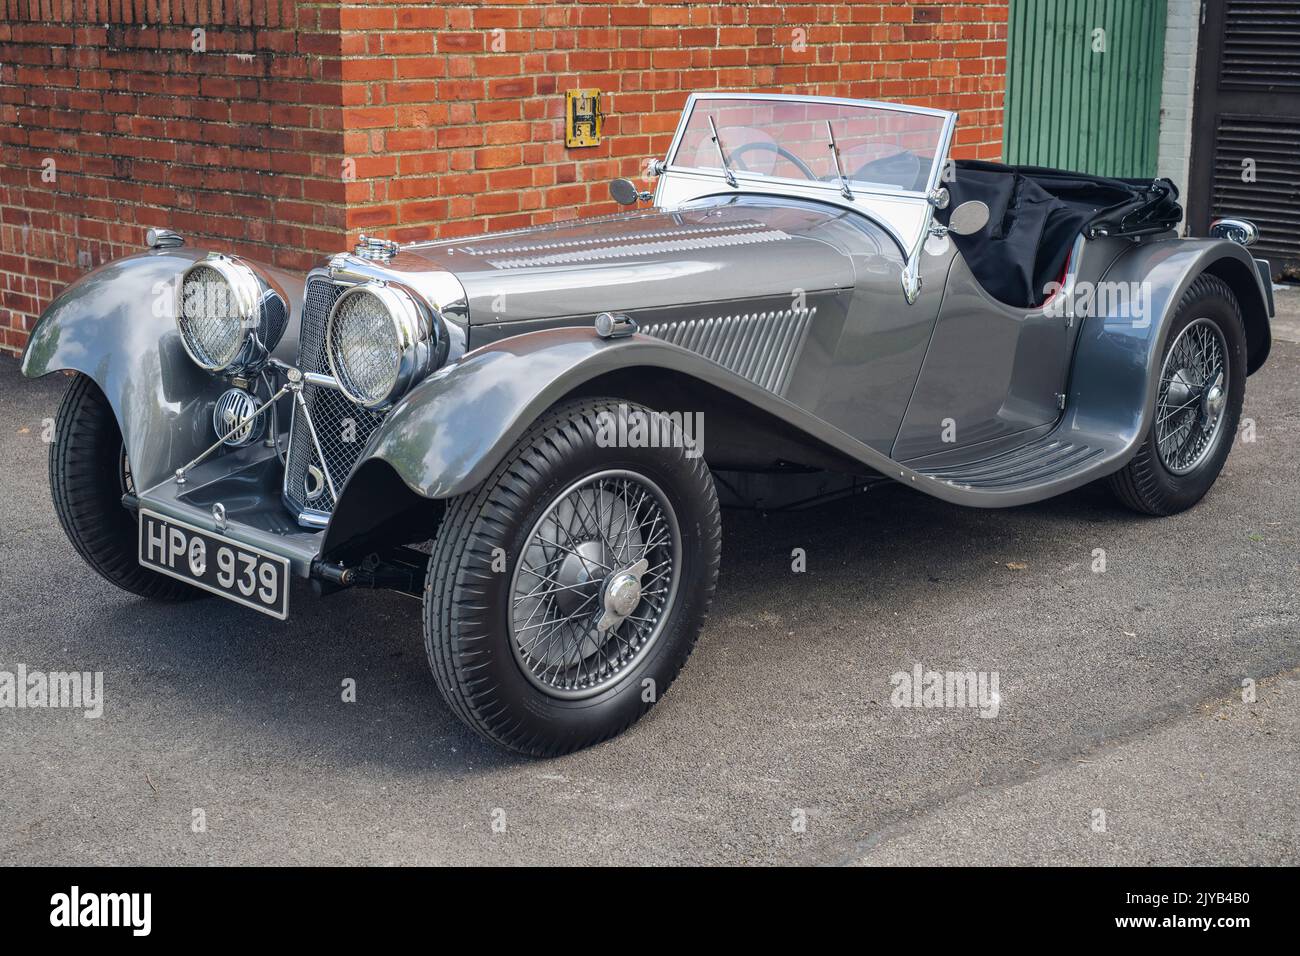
(1035, 215)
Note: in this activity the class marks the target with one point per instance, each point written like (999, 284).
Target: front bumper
(247, 483)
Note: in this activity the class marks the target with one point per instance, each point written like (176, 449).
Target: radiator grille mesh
(342, 428)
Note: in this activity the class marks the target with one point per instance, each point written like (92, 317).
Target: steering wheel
(896, 169)
(781, 151)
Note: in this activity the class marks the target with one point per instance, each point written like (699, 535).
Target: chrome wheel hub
(1182, 386)
(579, 576)
(1192, 397)
(1215, 399)
(594, 583)
(622, 595)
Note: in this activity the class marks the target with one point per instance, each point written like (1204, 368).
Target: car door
(992, 372)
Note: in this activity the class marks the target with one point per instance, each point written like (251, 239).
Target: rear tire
(88, 476)
(1152, 482)
(493, 591)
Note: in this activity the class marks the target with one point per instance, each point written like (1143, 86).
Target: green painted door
(1083, 85)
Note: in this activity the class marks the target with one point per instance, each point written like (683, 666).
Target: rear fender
(1116, 371)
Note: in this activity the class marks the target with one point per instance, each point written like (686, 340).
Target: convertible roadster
(530, 431)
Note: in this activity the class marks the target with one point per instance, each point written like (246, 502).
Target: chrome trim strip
(1061, 302)
(736, 237)
(313, 519)
(324, 381)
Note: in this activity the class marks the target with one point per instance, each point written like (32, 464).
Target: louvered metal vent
(620, 245)
(1261, 45)
(610, 237)
(1268, 149)
(761, 346)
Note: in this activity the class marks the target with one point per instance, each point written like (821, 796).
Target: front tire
(89, 474)
(564, 594)
(1198, 404)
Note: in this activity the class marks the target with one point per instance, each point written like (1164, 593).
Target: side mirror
(968, 218)
(625, 193)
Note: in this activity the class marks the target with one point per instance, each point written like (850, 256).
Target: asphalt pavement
(1146, 712)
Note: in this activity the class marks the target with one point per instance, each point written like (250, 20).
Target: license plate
(245, 575)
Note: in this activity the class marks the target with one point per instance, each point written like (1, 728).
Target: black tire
(467, 605)
(1145, 484)
(86, 462)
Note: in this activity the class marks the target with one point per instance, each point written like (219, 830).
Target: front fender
(117, 325)
(449, 434)
(1116, 370)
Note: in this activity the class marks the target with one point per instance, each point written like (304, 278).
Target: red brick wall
(306, 119)
(111, 123)
(454, 114)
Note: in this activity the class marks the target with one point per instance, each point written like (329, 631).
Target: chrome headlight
(381, 340)
(229, 317)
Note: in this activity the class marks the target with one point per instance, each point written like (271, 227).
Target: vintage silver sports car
(530, 431)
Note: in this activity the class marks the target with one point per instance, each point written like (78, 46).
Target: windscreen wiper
(726, 165)
(835, 155)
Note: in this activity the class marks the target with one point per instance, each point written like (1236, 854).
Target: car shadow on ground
(282, 684)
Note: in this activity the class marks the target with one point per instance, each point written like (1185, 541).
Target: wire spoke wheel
(594, 583)
(611, 560)
(1192, 395)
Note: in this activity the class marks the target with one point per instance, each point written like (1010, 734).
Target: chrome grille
(342, 428)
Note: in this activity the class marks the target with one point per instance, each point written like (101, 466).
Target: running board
(1048, 460)
(1064, 459)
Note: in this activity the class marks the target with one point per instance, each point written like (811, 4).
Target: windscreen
(879, 148)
